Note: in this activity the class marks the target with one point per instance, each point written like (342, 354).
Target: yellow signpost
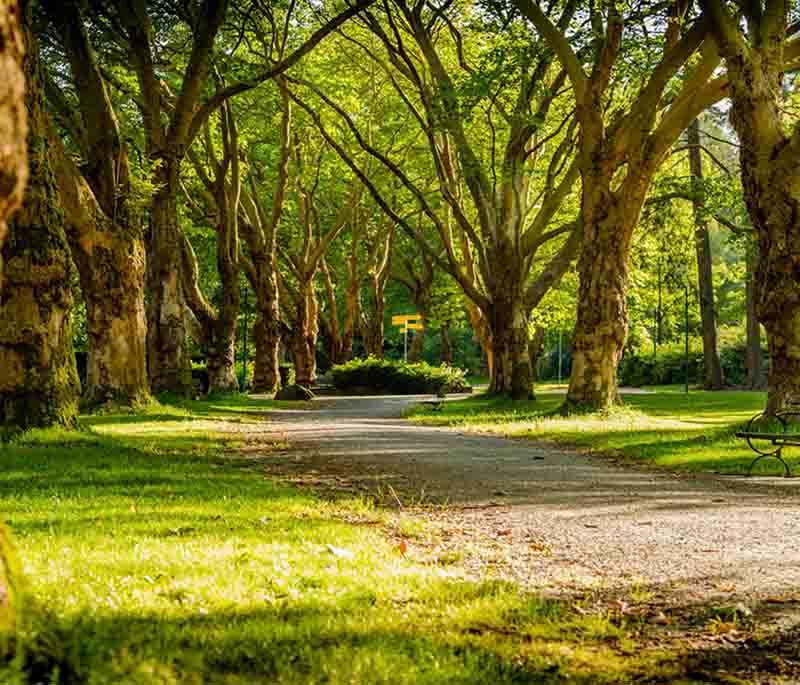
(408, 322)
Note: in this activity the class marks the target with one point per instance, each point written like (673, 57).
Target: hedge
(372, 375)
(668, 366)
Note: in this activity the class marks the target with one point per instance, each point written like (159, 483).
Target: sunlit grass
(667, 429)
(156, 555)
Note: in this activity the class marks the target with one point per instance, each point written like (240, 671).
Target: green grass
(666, 429)
(155, 554)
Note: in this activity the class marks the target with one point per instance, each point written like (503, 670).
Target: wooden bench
(772, 443)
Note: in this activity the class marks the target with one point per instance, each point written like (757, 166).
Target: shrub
(668, 366)
(372, 375)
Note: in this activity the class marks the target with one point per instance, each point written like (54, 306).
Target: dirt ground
(709, 563)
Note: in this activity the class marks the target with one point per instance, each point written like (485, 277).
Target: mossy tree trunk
(511, 370)
(756, 54)
(105, 234)
(378, 270)
(38, 380)
(13, 175)
(305, 329)
(617, 163)
(259, 230)
(602, 312)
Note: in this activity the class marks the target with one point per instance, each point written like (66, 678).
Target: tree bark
(267, 328)
(305, 329)
(602, 312)
(770, 179)
(769, 156)
(713, 377)
(373, 332)
(38, 380)
(104, 234)
(167, 358)
(112, 269)
(756, 380)
(511, 367)
(13, 118)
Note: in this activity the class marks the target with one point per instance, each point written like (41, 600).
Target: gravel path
(554, 518)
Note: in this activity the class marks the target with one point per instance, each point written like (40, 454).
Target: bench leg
(777, 455)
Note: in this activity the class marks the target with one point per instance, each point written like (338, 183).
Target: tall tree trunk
(602, 312)
(110, 258)
(13, 118)
(304, 336)
(770, 165)
(713, 379)
(112, 269)
(266, 377)
(373, 325)
(168, 361)
(105, 235)
(267, 327)
(221, 359)
(38, 380)
(511, 367)
(756, 380)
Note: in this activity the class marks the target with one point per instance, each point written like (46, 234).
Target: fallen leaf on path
(505, 531)
(402, 547)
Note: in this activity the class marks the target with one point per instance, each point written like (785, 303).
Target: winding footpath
(554, 518)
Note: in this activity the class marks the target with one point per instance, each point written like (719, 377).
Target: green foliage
(373, 375)
(668, 365)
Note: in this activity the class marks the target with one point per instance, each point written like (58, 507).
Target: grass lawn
(666, 428)
(155, 553)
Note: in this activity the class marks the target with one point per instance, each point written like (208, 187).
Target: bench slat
(782, 437)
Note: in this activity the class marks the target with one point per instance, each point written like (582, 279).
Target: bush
(373, 375)
(668, 366)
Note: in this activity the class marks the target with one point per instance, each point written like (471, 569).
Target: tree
(367, 263)
(377, 275)
(13, 118)
(620, 149)
(758, 51)
(493, 223)
(38, 381)
(223, 189)
(317, 228)
(104, 227)
(260, 230)
(171, 121)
